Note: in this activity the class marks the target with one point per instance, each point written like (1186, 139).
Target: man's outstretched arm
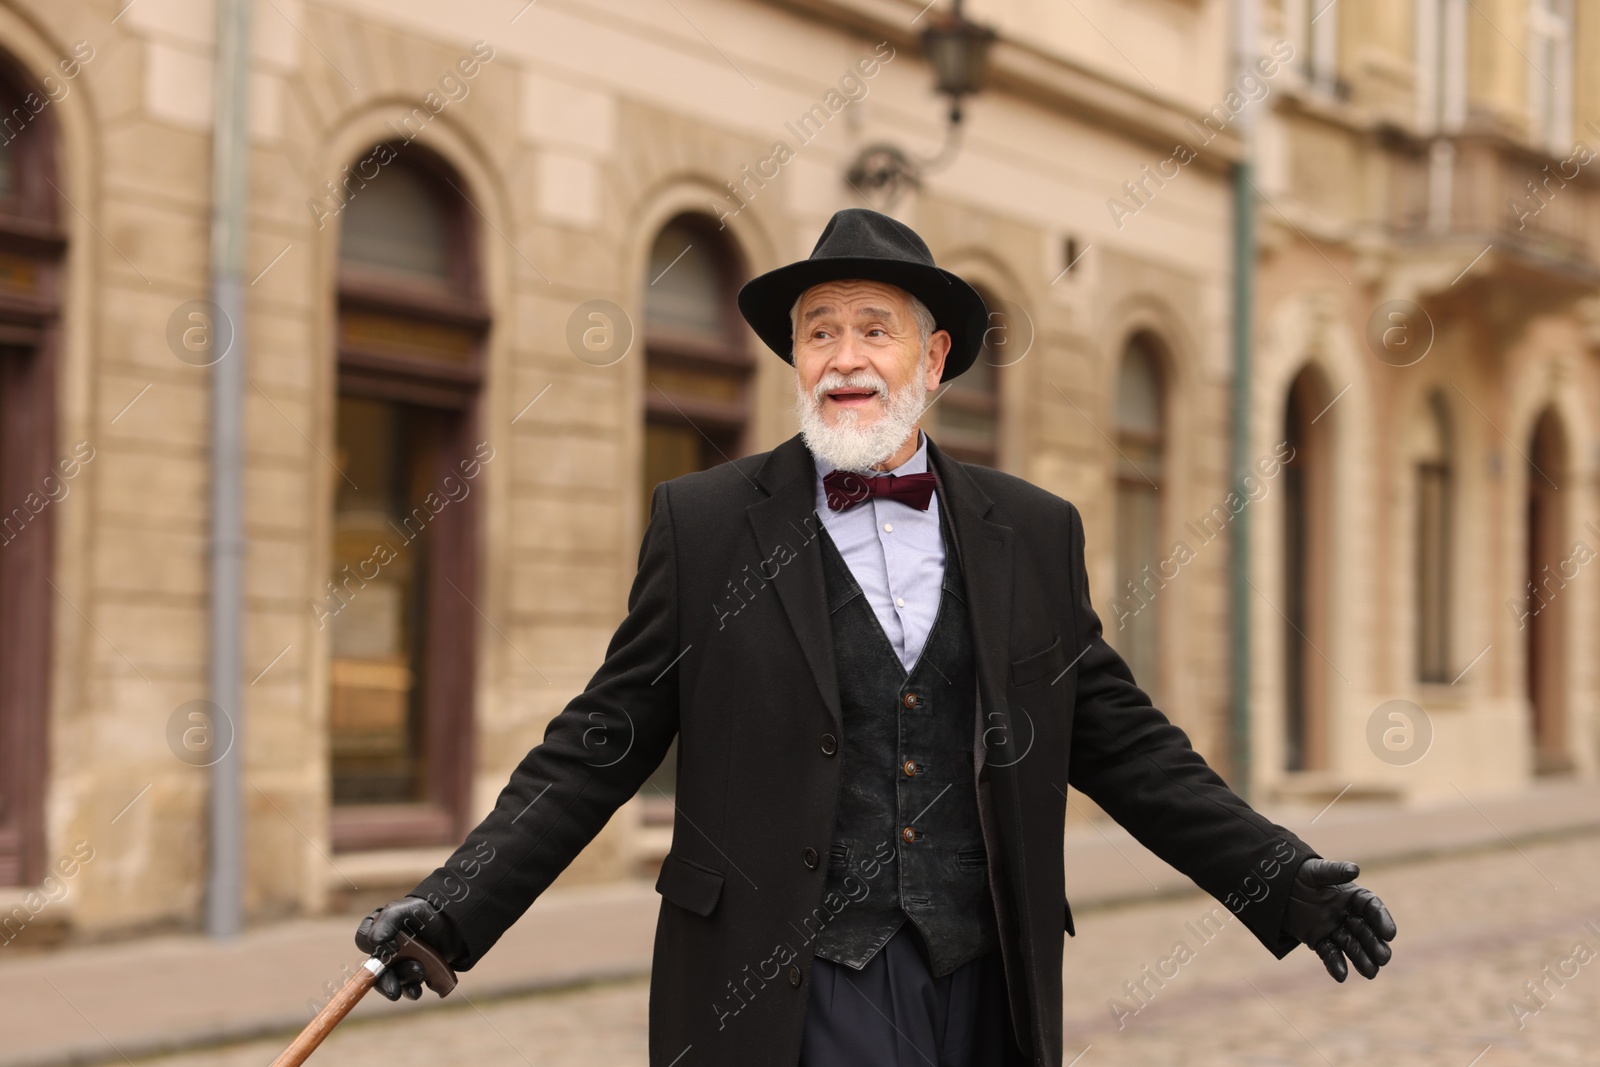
(595, 755)
(1138, 766)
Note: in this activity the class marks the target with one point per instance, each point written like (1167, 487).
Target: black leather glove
(379, 935)
(1338, 918)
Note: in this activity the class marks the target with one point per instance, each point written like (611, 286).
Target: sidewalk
(103, 1004)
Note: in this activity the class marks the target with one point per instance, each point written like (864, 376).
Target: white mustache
(859, 380)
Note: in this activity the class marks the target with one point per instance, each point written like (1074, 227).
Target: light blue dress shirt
(896, 555)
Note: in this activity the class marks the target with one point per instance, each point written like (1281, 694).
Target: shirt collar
(917, 464)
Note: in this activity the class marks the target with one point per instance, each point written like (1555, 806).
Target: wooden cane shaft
(329, 1017)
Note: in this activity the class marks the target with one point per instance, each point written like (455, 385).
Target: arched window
(1141, 474)
(1431, 455)
(697, 363)
(1307, 514)
(399, 604)
(399, 226)
(33, 474)
(698, 371)
(968, 409)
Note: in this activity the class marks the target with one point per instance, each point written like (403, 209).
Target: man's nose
(849, 356)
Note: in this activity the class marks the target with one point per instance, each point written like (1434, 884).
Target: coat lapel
(985, 552)
(788, 517)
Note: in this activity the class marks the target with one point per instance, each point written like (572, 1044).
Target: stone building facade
(1425, 331)
(492, 252)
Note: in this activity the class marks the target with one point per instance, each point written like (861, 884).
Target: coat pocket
(1050, 661)
(690, 885)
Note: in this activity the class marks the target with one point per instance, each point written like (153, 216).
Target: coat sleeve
(1140, 768)
(595, 755)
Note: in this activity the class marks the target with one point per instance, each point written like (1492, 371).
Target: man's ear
(938, 349)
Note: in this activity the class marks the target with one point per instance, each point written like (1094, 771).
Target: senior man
(885, 676)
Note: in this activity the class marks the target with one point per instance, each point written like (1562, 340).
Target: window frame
(1433, 647)
(368, 368)
(34, 244)
(1153, 483)
(1552, 26)
(959, 444)
(729, 355)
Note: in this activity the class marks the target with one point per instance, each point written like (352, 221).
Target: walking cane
(439, 978)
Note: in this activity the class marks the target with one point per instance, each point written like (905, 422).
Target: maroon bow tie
(846, 489)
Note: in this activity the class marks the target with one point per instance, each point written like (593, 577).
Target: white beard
(851, 448)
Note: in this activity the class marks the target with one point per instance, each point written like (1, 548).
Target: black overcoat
(727, 646)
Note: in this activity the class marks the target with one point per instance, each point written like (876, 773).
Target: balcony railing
(1490, 188)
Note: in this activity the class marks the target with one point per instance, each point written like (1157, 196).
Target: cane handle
(437, 974)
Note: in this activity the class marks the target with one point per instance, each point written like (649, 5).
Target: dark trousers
(895, 1013)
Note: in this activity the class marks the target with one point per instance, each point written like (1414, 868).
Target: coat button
(911, 768)
(810, 857)
(910, 834)
(910, 700)
(830, 744)
(794, 977)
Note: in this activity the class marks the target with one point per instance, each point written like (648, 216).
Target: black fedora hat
(858, 243)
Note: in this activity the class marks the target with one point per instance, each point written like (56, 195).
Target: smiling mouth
(852, 397)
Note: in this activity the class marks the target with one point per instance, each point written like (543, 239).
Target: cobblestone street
(1473, 930)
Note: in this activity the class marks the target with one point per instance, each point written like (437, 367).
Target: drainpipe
(230, 156)
(1246, 43)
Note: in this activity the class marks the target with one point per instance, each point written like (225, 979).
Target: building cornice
(1052, 82)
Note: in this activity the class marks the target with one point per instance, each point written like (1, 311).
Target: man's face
(859, 341)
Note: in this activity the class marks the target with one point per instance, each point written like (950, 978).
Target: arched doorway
(1547, 604)
(1307, 565)
(35, 469)
(401, 599)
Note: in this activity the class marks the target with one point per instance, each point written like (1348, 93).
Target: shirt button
(830, 744)
(810, 857)
(888, 527)
(794, 977)
(910, 700)
(911, 768)
(899, 601)
(910, 835)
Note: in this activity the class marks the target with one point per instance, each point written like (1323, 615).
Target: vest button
(794, 977)
(810, 857)
(910, 700)
(910, 835)
(911, 768)
(830, 744)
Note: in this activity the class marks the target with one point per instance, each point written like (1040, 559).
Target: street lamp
(958, 50)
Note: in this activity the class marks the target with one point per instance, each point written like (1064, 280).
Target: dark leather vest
(907, 842)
